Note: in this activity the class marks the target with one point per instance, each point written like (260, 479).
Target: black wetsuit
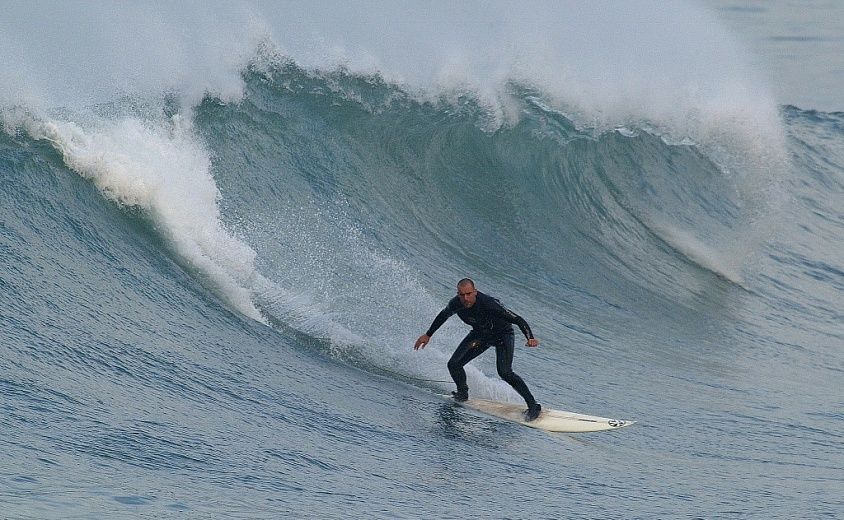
(492, 324)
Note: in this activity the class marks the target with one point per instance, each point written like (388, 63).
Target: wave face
(351, 178)
(211, 280)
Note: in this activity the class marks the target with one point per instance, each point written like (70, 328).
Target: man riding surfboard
(492, 324)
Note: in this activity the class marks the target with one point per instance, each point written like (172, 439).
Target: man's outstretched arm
(438, 321)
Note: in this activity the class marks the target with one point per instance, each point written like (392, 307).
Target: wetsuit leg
(504, 347)
(471, 347)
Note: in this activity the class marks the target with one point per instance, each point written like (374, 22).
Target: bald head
(466, 292)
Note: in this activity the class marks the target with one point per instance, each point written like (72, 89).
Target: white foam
(607, 64)
(166, 172)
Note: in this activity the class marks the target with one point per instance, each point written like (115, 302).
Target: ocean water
(224, 225)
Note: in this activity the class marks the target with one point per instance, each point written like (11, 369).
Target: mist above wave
(605, 63)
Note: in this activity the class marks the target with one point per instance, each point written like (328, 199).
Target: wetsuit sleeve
(511, 317)
(444, 314)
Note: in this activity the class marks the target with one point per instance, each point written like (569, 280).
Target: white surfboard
(548, 420)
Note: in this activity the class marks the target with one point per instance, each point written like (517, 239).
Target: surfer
(492, 324)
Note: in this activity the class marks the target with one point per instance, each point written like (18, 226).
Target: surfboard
(549, 420)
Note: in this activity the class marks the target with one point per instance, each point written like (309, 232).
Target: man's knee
(453, 365)
(507, 374)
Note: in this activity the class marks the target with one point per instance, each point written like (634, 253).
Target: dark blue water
(207, 305)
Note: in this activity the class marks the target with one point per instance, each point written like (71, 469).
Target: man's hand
(532, 342)
(421, 342)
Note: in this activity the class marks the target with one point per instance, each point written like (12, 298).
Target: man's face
(467, 295)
